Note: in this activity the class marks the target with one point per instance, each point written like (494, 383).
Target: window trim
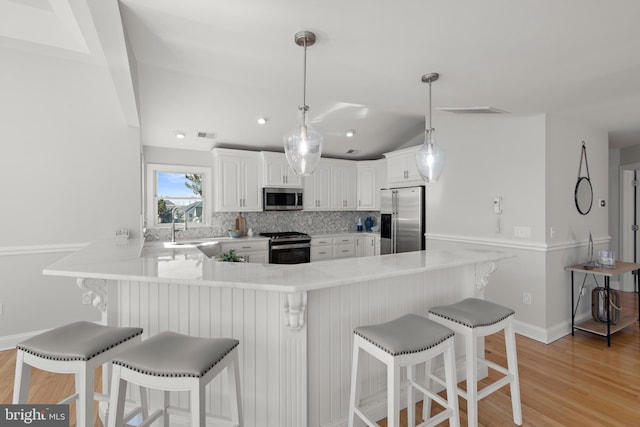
(151, 217)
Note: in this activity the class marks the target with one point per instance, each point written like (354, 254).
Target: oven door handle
(291, 246)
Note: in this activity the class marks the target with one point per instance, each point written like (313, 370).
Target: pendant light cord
(429, 129)
(304, 84)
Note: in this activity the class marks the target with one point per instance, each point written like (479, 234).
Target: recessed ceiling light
(179, 134)
(263, 120)
(350, 133)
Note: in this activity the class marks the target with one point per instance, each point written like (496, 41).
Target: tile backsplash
(311, 222)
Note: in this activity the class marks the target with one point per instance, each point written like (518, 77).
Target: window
(178, 193)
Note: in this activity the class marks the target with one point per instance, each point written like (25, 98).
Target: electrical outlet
(122, 233)
(526, 298)
(583, 292)
(522, 231)
(0, 309)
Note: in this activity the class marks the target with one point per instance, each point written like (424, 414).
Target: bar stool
(174, 362)
(406, 341)
(77, 348)
(475, 318)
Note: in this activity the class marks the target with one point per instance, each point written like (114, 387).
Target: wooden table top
(620, 268)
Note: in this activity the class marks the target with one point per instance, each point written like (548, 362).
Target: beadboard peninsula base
(295, 336)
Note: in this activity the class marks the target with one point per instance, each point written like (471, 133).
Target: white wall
(532, 163)
(569, 245)
(490, 156)
(613, 203)
(69, 174)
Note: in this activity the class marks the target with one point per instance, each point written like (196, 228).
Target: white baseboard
(547, 336)
(9, 342)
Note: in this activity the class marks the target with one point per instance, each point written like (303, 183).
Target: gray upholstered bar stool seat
(406, 341)
(175, 362)
(475, 318)
(77, 348)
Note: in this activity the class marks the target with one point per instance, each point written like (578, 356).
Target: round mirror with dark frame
(584, 195)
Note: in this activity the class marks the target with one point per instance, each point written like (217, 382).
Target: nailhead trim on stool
(77, 348)
(85, 339)
(474, 318)
(171, 361)
(406, 341)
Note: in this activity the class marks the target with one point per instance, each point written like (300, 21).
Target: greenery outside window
(179, 191)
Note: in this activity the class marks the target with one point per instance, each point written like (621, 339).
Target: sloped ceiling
(217, 66)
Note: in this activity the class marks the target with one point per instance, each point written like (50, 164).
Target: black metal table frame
(606, 301)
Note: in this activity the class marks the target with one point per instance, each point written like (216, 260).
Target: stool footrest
(439, 400)
(151, 418)
(364, 418)
(436, 419)
(67, 400)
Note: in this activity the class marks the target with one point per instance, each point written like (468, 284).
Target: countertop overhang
(133, 260)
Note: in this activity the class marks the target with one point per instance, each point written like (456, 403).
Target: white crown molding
(40, 249)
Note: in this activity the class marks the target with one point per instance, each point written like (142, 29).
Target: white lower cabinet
(321, 253)
(365, 246)
(344, 247)
(256, 251)
(321, 248)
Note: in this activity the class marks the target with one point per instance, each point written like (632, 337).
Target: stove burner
(287, 235)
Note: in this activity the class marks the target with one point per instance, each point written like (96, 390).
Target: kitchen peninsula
(294, 322)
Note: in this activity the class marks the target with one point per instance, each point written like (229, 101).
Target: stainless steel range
(289, 247)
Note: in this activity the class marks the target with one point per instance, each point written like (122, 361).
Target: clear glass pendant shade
(430, 158)
(303, 145)
(303, 148)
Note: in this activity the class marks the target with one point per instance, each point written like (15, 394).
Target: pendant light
(303, 145)
(430, 157)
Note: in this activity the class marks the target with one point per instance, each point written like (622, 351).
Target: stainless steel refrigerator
(402, 220)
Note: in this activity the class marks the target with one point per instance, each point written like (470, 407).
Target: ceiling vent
(473, 110)
(210, 135)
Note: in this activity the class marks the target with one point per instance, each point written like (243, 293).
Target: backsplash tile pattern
(261, 222)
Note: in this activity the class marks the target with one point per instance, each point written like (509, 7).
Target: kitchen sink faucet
(173, 222)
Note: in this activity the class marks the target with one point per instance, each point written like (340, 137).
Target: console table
(601, 328)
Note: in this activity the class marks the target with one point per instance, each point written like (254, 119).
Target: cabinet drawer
(321, 241)
(247, 246)
(344, 251)
(343, 240)
(321, 253)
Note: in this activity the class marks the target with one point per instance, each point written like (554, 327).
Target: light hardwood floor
(575, 381)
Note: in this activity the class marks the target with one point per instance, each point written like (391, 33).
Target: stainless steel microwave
(281, 199)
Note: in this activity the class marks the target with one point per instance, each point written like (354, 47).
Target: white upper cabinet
(277, 172)
(332, 186)
(401, 167)
(238, 180)
(343, 185)
(372, 176)
(317, 188)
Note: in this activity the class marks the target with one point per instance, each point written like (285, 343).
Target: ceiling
(217, 66)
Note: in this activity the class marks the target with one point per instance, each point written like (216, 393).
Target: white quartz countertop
(132, 260)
